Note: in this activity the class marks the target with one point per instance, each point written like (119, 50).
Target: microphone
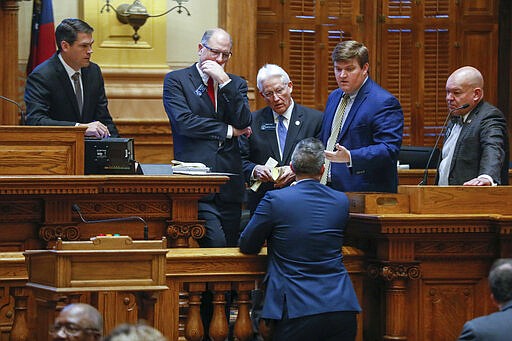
(76, 208)
(22, 114)
(425, 173)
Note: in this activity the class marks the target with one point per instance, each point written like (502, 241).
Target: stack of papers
(180, 167)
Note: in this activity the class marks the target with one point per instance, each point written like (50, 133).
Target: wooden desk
(414, 176)
(36, 210)
(430, 261)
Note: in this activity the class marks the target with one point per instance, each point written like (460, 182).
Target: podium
(62, 275)
(42, 150)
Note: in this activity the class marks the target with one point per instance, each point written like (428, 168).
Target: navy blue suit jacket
(199, 132)
(482, 147)
(262, 144)
(304, 227)
(51, 99)
(494, 327)
(372, 132)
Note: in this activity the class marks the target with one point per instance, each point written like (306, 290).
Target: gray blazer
(482, 147)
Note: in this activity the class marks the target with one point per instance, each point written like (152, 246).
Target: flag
(42, 40)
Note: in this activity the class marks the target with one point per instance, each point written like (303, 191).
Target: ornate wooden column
(9, 60)
(396, 275)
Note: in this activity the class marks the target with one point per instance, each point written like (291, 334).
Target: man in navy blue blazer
(496, 326)
(362, 127)
(208, 110)
(52, 92)
(309, 295)
(300, 122)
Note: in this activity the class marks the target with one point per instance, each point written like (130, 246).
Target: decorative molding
(394, 271)
(119, 207)
(20, 211)
(65, 232)
(449, 248)
(185, 230)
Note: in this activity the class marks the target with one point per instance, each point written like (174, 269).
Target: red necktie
(211, 90)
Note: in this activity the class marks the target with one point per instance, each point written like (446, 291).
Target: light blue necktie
(281, 132)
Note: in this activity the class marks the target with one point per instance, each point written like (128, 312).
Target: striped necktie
(335, 131)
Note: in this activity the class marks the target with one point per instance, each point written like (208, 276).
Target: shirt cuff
(230, 131)
(224, 84)
(489, 178)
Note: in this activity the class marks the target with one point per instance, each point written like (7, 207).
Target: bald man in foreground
(78, 322)
(475, 150)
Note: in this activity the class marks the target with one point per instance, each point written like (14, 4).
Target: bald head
(468, 75)
(464, 86)
(78, 321)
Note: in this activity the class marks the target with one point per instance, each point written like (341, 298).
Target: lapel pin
(297, 123)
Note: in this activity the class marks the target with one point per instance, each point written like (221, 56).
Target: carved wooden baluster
(219, 325)
(194, 329)
(20, 330)
(243, 325)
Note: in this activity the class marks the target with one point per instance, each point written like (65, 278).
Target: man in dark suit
(298, 121)
(476, 149)
(67, 89)
(309, 295)
(496, 326)
(208, 110)
(362, 127)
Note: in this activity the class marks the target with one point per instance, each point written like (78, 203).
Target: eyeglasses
(279, 92)
(215, 53)
(71, 329)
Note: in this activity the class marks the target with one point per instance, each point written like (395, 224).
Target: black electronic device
(109, 156)
(418, 156)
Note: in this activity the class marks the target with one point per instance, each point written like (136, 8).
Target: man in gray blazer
(267, 140)
(496, 326)
(476, 149)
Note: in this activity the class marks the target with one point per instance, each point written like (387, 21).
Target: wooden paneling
(9, 113)
(41, 150)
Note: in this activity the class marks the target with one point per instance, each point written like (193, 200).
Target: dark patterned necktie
(78, 91)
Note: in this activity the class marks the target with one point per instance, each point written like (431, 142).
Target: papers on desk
(189, 168)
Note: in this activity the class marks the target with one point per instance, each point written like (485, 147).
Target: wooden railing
(225, 272)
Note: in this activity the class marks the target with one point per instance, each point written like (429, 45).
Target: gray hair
(500, 280)
(135, 332)
(271, 70)
(210, 32)
(308, 156)
(350, 49)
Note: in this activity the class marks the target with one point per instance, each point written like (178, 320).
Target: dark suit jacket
(262, 144)
(372, 132)
(494, 327)
(51, 100)
(199, 133)
(304, 227)
(482, 147)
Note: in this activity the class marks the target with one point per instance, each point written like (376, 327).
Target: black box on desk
(109, 156)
